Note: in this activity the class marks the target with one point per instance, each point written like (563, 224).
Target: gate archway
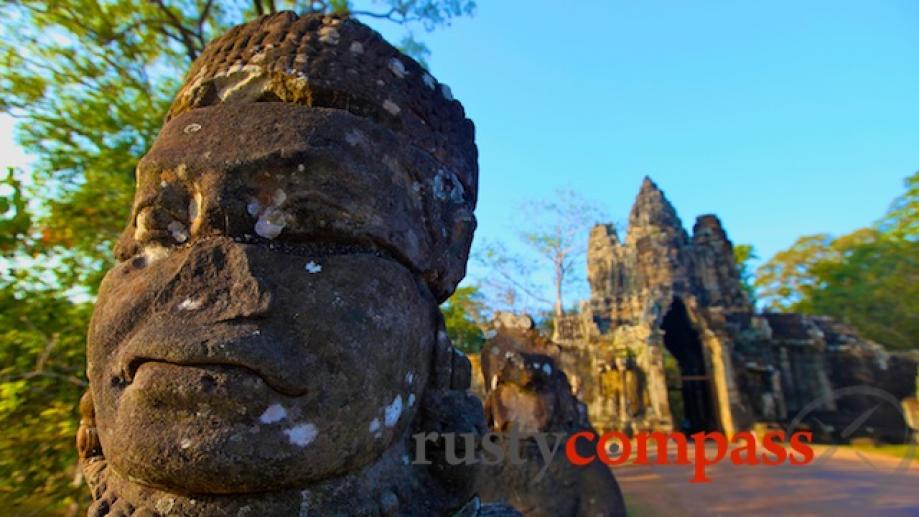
(683, 342)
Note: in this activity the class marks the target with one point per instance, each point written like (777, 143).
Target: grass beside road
(900, 451)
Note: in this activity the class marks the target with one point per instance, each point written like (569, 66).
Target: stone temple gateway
(670, 341)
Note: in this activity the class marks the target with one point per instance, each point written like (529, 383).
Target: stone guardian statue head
(270, 336)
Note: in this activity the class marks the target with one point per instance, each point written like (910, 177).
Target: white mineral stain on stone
(165, 505)
(356, 47)
(178, 231)
(448, 94)
(392, 412)
(190, 305)
(274, 413)
(271, 219)
(447, 186)
(155, 252)
(429, 81)
(374, 425)
(312, 267)
(397, 68)
(301, 435)
(192, 128)
(391, 107)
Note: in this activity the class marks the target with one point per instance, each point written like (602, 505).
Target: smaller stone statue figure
(633, 387)
(611, 387)
(527, 392)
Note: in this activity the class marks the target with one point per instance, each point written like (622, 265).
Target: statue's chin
(223, 431)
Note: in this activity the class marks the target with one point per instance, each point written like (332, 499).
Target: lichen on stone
(274, 413)
(397, 68)
(178, 231)
(190, 305)
(392, 412)
(302, 434)
(391, 107)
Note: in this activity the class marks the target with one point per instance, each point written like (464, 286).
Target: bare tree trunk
(559, 278)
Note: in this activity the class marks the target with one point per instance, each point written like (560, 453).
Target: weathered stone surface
(406, 183)
(527, 392)
(669, 340)
(270, 338)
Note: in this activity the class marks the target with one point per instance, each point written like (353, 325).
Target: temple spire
(652, 213)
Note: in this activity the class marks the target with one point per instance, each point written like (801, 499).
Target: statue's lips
(244, 345)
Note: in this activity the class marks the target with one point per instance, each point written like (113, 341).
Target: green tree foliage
(744, 254)
(868, 278)
(41, 379)
(902, 219)
(464, 318)
(89, 83)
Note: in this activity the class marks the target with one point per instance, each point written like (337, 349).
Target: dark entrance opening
(682, 341)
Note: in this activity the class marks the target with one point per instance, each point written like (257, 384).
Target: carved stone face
(266, 325)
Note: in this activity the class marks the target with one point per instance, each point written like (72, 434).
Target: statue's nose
(218, 280)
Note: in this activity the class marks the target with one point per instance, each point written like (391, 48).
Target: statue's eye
(156, 224)
(167, 220)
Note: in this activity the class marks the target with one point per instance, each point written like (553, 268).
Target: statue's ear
(451, 369)
(89, 449)
(88, 445)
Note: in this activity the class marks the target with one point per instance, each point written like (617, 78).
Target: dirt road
(840, 482)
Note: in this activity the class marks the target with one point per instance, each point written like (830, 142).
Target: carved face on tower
(272, 319)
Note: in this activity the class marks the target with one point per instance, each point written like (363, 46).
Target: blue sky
(784, 118)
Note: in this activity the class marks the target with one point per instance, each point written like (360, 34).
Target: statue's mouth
(136, 365)
(244, 346)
